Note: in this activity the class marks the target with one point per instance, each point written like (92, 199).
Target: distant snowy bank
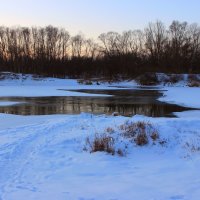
(147, 79)
(8, 103)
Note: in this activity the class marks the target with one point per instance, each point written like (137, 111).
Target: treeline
(52, 51)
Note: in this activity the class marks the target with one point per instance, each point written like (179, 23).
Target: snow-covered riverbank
(42, 157)
(186, 96)
(29, 86)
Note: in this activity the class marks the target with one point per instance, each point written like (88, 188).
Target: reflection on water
(125, 102)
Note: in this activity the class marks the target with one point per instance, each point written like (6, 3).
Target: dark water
(126, 102)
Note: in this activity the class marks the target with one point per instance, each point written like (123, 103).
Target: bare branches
(45, 49)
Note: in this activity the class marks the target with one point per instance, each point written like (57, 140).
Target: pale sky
(93, 17)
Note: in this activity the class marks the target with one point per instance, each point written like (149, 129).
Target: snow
(45, 160)
(185, 96)
(42, 157)
(28, 86)
(8, 103)
(11, 79)
(188, 114)
(40, 91)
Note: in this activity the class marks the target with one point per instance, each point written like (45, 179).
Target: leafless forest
(53, 51)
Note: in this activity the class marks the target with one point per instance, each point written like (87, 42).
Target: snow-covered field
(42, 157)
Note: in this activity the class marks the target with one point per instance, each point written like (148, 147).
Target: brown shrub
(148, 79)
(154, 136)
(193, 80)
(194, 84)
(101, 142)
(139, 132)
(175, 78)
(141, 139)
(130, 129)
(84, 82)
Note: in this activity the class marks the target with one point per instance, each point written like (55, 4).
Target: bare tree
(77, 43)
(155, 40)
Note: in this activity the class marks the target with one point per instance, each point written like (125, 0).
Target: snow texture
(42, 157)
(8, 103)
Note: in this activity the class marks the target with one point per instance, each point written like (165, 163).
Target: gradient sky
(93, 17)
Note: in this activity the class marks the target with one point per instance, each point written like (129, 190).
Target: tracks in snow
(17, 155)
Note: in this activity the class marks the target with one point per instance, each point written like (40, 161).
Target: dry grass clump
(117, 141)
(193, 80)
(148, 79)
(84, 82)
(194, 84)
(101, 142)
(175, 78)
(141, 139)
(171, 78)
(141, 133)
(154, 136)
